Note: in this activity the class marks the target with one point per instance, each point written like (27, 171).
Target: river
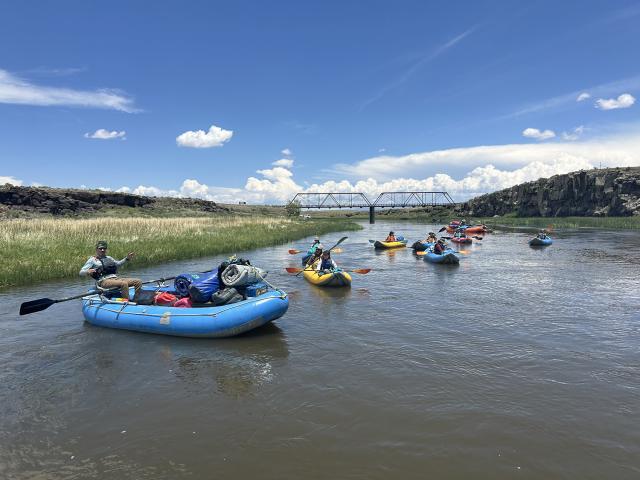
(518, 363)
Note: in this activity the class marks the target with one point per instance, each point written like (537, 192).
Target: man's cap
(316, 238)
(101, 244)
(320, 247)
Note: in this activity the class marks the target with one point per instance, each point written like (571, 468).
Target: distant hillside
(31, 201)
(600, 192)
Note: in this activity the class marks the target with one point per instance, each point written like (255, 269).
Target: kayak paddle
(362, 271)
(295, 252)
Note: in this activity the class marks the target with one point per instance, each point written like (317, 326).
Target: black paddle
(339, 242)
(44, 303)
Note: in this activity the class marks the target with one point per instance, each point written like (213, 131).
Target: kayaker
(542, 235)
(431, 238)
(438, 248)
(316, 255)
(103, 269)
(327, 264)
(314, 245)
(460, 233)
(391, 237)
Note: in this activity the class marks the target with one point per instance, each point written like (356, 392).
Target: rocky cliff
(73, 202)
(598, 192)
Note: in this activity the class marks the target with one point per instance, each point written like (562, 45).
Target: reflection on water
(519, 362)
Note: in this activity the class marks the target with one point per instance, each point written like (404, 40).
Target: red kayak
(461, 240)
(474, 229)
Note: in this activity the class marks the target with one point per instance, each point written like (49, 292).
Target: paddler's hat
(320, 247)
(101, 244)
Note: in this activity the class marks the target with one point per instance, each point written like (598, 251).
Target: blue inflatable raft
(208, 322)
(422, 246)
(540, 242)
(448, 257)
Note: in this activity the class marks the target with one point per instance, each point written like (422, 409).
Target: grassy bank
(605, 223)
(36, 250)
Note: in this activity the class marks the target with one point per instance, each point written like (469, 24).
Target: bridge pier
(372, 214)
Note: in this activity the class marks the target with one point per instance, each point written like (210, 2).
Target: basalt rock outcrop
(599, 192)
(73, 202)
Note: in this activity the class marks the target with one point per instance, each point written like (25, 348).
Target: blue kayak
(540, 242)
(449, 257)
(209, 321)
(422, 246)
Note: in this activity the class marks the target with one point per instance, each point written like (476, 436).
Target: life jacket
(326, 264)
(391, 238)
(108, 267)
(438, 248)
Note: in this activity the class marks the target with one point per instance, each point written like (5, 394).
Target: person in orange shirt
(391, 238)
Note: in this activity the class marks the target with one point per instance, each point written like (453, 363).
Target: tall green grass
(37, 250)
(605, 223)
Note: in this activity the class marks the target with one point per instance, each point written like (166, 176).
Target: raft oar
(293, 251)
(362, 271)
(442, 229)
(44, 303)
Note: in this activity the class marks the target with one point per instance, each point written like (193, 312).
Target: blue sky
(363, 96)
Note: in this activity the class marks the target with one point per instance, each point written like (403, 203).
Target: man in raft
(103, 269)
(431, 238)
(391, 237)
(438, 248)
(317, 255)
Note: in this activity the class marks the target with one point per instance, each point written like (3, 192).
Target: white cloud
(487, 169)
(102, 134)
(569, 99)
(583, 96)
(283, 162)
(11, 180)
(615, 151)
(538, 134)
(215, 137)
(286, 152)
(14, 90)
(574, 135)
(623, 101)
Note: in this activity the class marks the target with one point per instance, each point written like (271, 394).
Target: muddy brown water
(518, 363)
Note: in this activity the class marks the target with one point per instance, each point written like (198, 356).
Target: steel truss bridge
(384, 200)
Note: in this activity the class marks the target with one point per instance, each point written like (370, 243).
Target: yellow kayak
(332, 279)
(378, 244)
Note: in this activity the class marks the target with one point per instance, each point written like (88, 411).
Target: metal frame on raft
(384, 200)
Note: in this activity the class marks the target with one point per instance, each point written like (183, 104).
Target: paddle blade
(337, 250)
(442, 229)
(463, 252)
(294, 251)
(477, 238)
(362, 271)
(421, 253)
(372, 241)
(35, 306)
(293, 270)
